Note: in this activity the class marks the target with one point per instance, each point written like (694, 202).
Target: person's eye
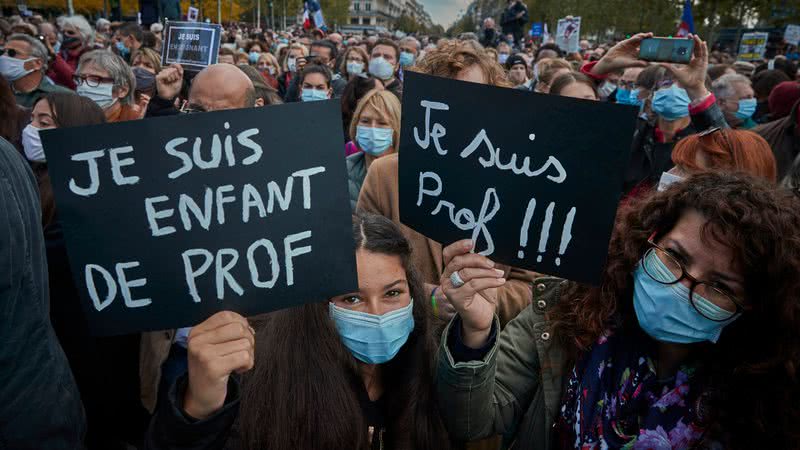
(351, 300)
(677, 255)
(394, 293)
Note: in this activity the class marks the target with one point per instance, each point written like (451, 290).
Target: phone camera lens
(682, 51)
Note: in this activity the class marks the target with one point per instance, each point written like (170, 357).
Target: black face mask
(70, 42)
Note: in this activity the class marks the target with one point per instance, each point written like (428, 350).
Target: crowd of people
(691, 341)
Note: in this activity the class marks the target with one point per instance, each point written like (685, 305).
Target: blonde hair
(303, 49)
(148, 54)
(271, 60)
(387, 106)
(450, 58)
(548, 67)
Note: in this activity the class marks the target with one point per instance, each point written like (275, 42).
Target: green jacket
(27, 99)
(516, 389)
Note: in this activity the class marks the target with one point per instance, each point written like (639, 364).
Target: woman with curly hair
(691, 340)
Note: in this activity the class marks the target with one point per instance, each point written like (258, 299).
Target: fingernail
(502, 280)
(468, 244)
(499, 272)
(252, 330)
(491, 264)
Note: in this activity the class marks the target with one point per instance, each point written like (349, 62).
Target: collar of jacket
(546, 293)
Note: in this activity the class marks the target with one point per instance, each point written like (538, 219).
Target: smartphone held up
(678, 51)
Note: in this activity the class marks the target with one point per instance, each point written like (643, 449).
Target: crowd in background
(692, 341)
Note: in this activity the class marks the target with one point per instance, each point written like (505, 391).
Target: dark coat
(649, 159)
(783, 136)
(510, 22)
(41, 407)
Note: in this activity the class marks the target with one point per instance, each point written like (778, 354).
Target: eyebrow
(393, 284)
(720, 275)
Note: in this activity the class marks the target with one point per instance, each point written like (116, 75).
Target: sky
(444, 12)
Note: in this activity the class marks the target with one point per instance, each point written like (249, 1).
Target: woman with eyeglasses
(690, 341)
(107, 79)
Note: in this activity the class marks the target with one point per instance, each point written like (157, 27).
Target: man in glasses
(23, 63)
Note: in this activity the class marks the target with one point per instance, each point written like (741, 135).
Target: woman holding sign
(690, 342)
(354, 372)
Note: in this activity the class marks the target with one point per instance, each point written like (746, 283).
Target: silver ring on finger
(456, 280)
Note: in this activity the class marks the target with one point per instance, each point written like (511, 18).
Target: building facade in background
(380, 15)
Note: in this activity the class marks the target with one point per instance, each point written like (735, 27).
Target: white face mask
(381, 68)
(667, 179)
(32, 143)
(102, 94)
(606, 89)
(13, 68)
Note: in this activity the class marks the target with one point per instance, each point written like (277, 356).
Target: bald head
(222, 86)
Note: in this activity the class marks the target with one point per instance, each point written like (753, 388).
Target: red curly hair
(731, 150)
(754, 366)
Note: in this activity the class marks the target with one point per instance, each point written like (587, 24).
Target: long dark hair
(11, 113)
(753, 369)
(72, 110)
(303, 391)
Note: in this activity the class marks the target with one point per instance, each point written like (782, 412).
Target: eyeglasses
(187, 108)
(725, 301)
(91, 80)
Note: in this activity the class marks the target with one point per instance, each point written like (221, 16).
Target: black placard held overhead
(170, 220)
(194, 45)
(533, 179)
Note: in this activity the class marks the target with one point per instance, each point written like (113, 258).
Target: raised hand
(169, 81)
(218, 347)
(692, 76)
(623, 55)
(476, 300)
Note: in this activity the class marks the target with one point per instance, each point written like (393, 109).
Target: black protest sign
(533, 179)
(170, 220)
(194, 45)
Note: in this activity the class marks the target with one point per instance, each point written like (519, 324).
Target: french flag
(312, 16)
(687, 22)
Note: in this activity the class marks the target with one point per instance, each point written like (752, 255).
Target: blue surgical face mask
(502, 58)
(747, 107)
(123, 51)
(406, 59)
(12, 69)
(672, 103)
(102, 94)
(626, 97)
(666, 313)
(355, 67)
(370, 338)
(253, 57)
(381, 68)
(374, 141)
(313, 95)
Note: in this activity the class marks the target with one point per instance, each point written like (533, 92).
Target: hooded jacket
(40, 405)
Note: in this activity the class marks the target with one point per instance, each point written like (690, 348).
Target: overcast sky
(444, 12)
